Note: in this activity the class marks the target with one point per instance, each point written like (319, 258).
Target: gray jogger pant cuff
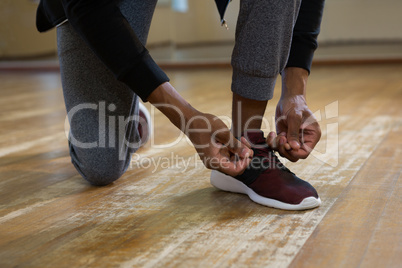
(263, 39)
(252, 86)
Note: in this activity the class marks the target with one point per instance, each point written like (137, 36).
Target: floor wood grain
(168, 215)
(364, 227)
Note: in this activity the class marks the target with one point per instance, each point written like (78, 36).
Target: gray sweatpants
(263, 38)
(100, 108)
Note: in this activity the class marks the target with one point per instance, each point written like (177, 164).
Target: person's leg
(246, 114)
(263, 38)
(98, 105)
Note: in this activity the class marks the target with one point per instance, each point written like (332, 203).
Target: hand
(297, 128)
(216, 146)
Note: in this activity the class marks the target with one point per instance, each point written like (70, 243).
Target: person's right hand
(213, 141)
(216, 146)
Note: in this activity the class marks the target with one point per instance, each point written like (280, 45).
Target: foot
(144, 125)
(267, 181)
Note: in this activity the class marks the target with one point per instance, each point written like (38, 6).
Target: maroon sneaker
(267, 181)
(144, 124)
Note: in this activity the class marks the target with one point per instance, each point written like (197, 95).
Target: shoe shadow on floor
(217, 205)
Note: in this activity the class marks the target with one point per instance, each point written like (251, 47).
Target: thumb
(240, 148)
(294, 123)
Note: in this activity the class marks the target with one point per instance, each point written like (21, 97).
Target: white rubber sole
(230, 184)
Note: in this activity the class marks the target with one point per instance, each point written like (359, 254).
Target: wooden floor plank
(169, 215)
(385, 246)
(364, 227)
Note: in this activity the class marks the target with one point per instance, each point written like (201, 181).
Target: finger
(234, 168)
(281, 123)
(284, 141)
(299, 154)
(311, 135)
(241, 165)
(240, 148)
(278, 144)
(278, 141)
(287, 154)
(287, 147)
(303, 152)
(271, 140)
(245, 142)
(294, 123)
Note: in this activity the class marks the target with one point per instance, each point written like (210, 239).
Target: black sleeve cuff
(305, 33)
(144, 77)
(300, 56)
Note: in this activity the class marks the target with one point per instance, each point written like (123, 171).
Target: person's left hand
(298, 131)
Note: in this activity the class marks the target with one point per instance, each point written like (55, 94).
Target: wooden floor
(168, 215)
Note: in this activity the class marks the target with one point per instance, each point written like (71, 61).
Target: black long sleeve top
(305, 33)
(106, 31)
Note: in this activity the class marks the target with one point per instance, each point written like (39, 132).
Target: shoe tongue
(255, 137)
